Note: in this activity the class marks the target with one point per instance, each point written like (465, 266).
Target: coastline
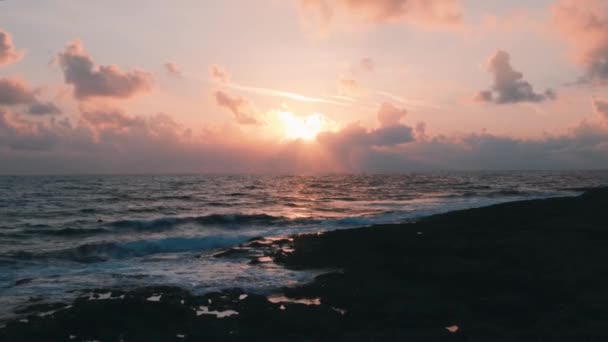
(518, 271)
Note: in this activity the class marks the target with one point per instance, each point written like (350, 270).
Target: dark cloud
(113, 118)
(348, 144)
(43, 108)
(237, 105)
(8, 53)
(90, 80)
(584, 23)
(601, 108)
(509, 85)
(15, 92)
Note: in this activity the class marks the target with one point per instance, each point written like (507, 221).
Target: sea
(61, 236)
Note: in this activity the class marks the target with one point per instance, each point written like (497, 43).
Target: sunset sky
(302, 86)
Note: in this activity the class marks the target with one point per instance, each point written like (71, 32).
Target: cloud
(601, 108)
(90, 80)
(237, 105)
(15, 92)
(43, 108)
(219, 74)
(389, 115)
(423, 13)
(8, 53)
(354, 140)
(584, 23)
(509, 85)
(391, 131)
(172, 69)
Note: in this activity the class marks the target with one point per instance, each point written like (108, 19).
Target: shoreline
(524, 271)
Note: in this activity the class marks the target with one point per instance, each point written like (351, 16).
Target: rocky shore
(522, 271)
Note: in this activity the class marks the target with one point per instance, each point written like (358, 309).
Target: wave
(104, 251)
(227, 220)
(67, 232)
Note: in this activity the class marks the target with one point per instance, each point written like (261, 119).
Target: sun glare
(297, 127)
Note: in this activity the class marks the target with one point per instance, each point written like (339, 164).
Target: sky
(302, 86)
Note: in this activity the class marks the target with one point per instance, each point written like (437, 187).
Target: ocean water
(61, 236)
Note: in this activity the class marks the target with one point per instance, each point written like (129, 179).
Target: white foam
(100, 296)
(204, 310)
(243, 296)
(154, 298)
(340, 311)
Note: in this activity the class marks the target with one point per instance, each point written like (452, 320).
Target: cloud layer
(509, 85)
(90, 80)
(111, 140)
(425, 13)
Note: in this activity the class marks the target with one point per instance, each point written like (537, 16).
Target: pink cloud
(14, 91)
(237, 105)
(90, 80)
(389, 115)
(8, 53)
(584, 24)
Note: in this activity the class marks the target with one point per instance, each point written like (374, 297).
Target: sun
(297, 127)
